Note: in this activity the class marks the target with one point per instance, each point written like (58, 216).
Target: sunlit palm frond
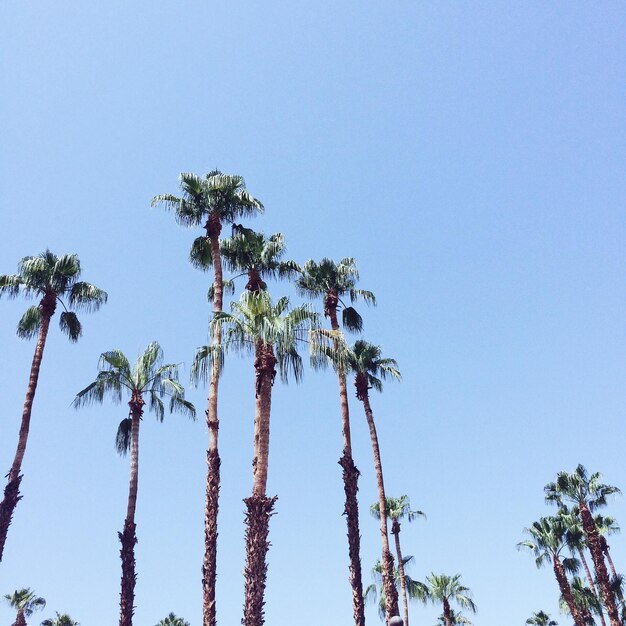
(30, 323)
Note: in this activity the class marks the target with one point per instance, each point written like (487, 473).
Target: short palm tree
(448, 589)
(547, 543)
(588, 494)
(52, 280)
(172, 620)
(541, 618)
(332, 282)
(151, 380)
(25, 602)
(456, 619)
(397, 510)
(365, 360)
(271, 333)
(209, 202)
(60, 620)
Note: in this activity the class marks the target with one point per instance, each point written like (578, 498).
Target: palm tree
(586, 600)
(60, 620)
(541, 618)
(210, 201)
(588, 494)
(366, 361)
(172, 620)
(447, 589)
(270, 333)
(397, 509)
(25, 602)
(51, 279)
(147, 377)
(331, 282)
(547, 543)
(456, 619)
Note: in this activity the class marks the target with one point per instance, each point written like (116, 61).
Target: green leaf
(29, 325)
(70, 325)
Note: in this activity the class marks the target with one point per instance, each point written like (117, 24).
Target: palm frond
(205, 358)
(200, 255)
(10, 285)
(30, 323)
(351, 320)
(228, 289)
(86, 297)
(124, 436)
(70, 325)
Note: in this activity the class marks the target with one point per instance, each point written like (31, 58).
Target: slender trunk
(350, 475)
(395, 531)
(12, 490)
(591, 582)
(209, 564)
(128, 537)
(566, 591)
(447, 612)
(595, 548)
(605, 550)
(259, 506)
(389, 587)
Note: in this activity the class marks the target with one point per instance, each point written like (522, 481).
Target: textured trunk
(447, 613)
(259, 506)
(566, 592)
(20, 620)
(350, 475)
(594, 541)
(128, 537)
(12, 490)
(209, 564)
(395, 531)
(389, 587)
(590, 582)
(255, 283)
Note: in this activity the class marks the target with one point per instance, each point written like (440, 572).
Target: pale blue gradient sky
(470, 155)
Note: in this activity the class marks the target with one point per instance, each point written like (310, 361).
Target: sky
(469, 155)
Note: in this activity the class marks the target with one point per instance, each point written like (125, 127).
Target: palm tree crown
(60, 620)
(579, 488)
(447, 589)
(397, 509)
(25, 601)
(366, 361)
(541, 618)
(172, 620)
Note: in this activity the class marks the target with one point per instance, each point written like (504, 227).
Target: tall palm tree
(270, 333)
(370, 368)
(588, 494)
(398, 509)
(547, 542)
(447, 589)
(146, 378)
(209, 202)
(52, 280)
(60, 620)
(541, 618)
(333, 282)
(172, 620)
(25, 602)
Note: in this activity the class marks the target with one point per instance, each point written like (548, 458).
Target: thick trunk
(447, 612)
(259, 506)
(209, 564)
(350, 475)
(566, 592)
(595, 548)
(20, 620)
(128, 537)
(590, 581)
(389, 587)
(395, 531)
(12, 490)
(255, 283)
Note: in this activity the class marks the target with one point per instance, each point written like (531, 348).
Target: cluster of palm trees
(269, 330)
(568, 539)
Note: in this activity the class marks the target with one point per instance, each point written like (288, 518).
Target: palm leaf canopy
(25, 600)
(443, 587)
(172, 620)
(254, 319)
(547, 540)
(366, 358)
(60, 620)
(397, 509)
(541, 618)
(578, 487)
(55, 277)
(147, 378)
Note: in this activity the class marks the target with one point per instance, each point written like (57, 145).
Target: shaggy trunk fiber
(12, 490)
(566, 592)
(447, 613)
(590, 582)
(20, 620)
(395, 531)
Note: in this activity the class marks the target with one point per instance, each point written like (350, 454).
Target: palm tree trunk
(20, 620)
(350, 475)
(209, 564)
(566, 592)
(591, 582)
(595, 548)
(128, 537)
(447, 612)
(395, 531)
(12, 490)
(259, 506)
(389, 587)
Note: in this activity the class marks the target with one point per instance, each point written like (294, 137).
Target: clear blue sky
(470, 155)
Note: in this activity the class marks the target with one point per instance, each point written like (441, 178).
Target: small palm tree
(447, 589)
(398, 509)
(588, 494)
(331, 282)
(456, 619)
(60, 620)
(52, 280)
(271, 333)
(172, 620)
(541, 618)
(147, 378)
(209, 202)
(25, 602)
